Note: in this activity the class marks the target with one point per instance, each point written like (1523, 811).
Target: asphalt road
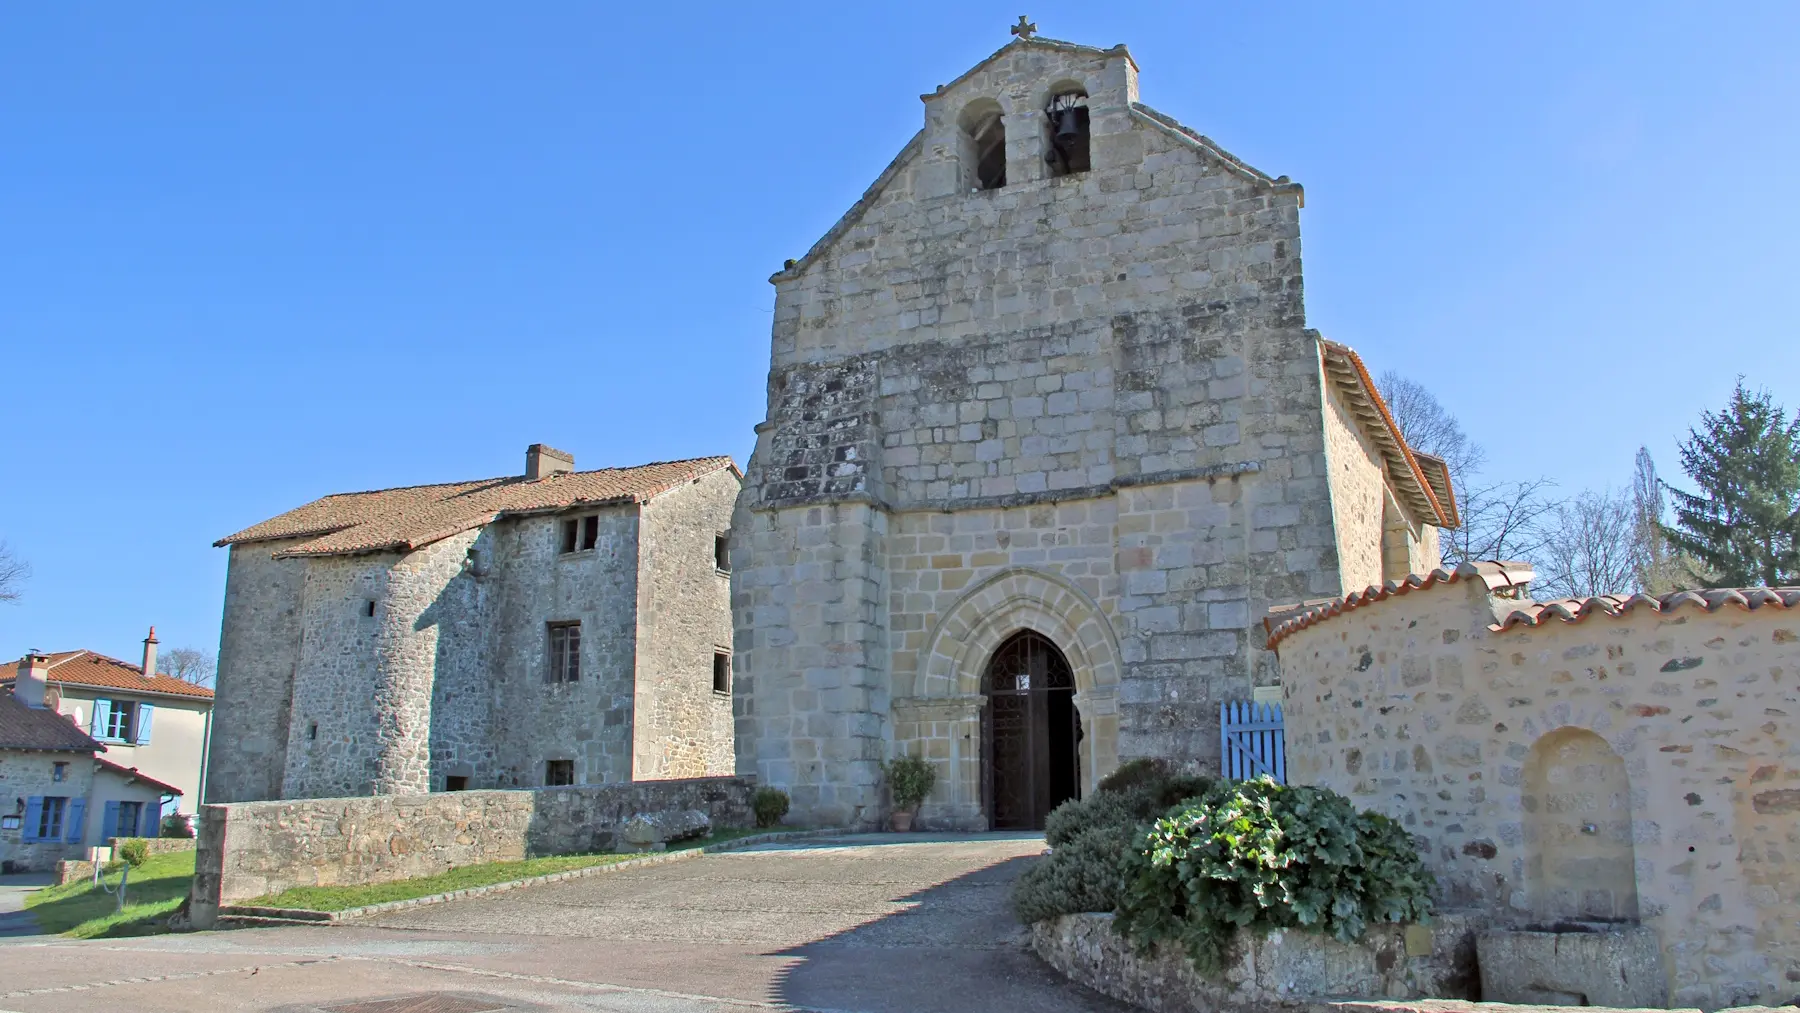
(871, 924)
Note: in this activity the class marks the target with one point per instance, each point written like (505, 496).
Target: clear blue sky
(252, 254)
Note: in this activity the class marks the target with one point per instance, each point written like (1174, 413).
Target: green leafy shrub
(910, 779)
(1080, 874)
(134, 852)
(1259, 855)
(1089, 837)
(176, 825)
(770, 805)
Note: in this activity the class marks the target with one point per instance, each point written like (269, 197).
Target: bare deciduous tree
(1500, 520)
(1504, 520)
(189, 664)
(1591, 548)
(13, 574)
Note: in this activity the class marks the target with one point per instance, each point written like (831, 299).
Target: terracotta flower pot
(900, 821)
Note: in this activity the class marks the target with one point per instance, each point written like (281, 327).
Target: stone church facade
(1047, 434)
(556, 627)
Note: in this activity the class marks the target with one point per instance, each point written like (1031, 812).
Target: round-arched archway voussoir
(1013, 600)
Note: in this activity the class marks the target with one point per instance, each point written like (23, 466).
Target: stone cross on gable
(1024, 29)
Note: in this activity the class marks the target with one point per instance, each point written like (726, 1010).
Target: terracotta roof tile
(1574, 610)
(86, 668)
(23, 727)
(407, 518)
(136, 775)
(1285, 620)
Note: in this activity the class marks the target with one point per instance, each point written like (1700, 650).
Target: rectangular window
(722, 553)
(369, 607)
(565, 653)
(456, 782)
(119, 721)
(50, 820)
(570, 531)
(721, 672)
(579, 534)
(590, 532)
(559, 772)
(129, 814)
(59, 771)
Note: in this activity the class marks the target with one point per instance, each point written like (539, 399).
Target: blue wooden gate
(1250, 734)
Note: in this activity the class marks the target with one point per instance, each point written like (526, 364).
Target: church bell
(1066, 127)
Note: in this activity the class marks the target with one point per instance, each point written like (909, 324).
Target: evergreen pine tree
(1743, 527)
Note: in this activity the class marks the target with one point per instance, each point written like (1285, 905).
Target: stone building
(1046, 433)
(149, 721)
(556, 627)
(1613, 761)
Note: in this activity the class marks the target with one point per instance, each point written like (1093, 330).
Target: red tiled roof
(407, 518)
(132, 773)
(1285, 620)
(1422, 480)
(88, 669)
(23, 727)
(1574, 610)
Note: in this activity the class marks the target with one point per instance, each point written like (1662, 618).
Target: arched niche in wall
(981, 149)
(1580, 863)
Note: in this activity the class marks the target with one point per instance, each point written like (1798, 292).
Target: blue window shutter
(143, 723)
(109, 824)
(34, 811)
(150, 822)
(73, 819)
(97, 726)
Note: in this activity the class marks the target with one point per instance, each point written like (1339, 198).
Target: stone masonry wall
(588, 721)
(28, 773)
(1643, 764)
(1128, 344)
(364, 689)
(259, 648)
(682, 728)
(252, 849)
(1359, 499)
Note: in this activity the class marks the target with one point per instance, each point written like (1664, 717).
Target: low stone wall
(251, 849)
(1285, 969)
(158, 845)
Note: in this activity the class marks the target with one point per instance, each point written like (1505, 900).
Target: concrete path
(15, 921)
(875, 924)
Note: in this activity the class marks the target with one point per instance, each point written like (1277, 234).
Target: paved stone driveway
(876, 924)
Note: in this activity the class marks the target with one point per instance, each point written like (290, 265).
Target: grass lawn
(342, 898)
(77, 909)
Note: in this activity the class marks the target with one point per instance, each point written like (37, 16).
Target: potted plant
(910, 780)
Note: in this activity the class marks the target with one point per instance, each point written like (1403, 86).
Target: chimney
(542, 462)
(34, 678)
(150, 643)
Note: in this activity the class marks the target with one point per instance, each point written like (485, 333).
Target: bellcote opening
(984, 145)
(1066, 137)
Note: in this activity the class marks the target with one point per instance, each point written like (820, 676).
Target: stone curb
(256, 915)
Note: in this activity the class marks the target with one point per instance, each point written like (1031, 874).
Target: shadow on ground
(956, 947)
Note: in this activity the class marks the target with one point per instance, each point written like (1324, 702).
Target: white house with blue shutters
(155, 723)
(58, 795)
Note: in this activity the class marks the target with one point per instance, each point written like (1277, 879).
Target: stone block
(1604, 967)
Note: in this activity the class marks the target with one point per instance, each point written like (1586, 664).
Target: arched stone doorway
(1031, 732)
(1580, 862)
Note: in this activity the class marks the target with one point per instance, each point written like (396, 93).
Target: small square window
(565, 653)
(59, 771)
(721, 672)
(455, 782)
(590, 532)
(559, 772)
(722, 553)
